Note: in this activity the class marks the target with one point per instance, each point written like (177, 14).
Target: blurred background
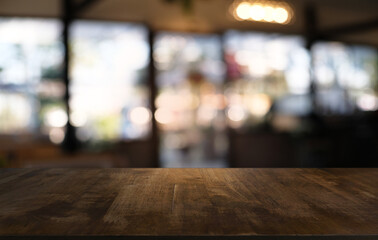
(188, 83)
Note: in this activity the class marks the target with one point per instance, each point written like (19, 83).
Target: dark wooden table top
(189, 203)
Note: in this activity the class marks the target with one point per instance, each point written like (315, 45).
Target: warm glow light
(280, 15)
(176, 101)
(269, 13)
(164, 116)
(243, 10)
(259, 104)
(257, 12)
(262, 11)
(140, 116)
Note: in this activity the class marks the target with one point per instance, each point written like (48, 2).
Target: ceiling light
(262, 11)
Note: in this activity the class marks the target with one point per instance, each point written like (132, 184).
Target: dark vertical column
(375, 84)
(311, 35)
(153, 93)
(70, 141)
(230, 133)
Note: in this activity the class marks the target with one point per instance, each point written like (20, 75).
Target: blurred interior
(188, 83)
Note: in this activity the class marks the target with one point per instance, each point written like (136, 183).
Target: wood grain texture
(189, 202)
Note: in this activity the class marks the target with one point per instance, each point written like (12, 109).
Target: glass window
(346, 77)
(190, 101)
(31, 88)
(266, 72)
(109, 91)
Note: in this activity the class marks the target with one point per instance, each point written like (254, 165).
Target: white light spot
(367, 102)
(78, 119)
(236, 113)
(269, 14)
(56, 118)
(140, 116)
(280, 15)
(242, 11)
(257, 12)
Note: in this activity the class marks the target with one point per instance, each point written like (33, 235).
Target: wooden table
(189, 204)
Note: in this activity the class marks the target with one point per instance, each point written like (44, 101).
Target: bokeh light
(56, 135)
(280, 15)
(140, 115)
(78, 119)
(236, 113)
(243, 11)
(262, 11)
(257, 12)
(56, 118)
(164, 116)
